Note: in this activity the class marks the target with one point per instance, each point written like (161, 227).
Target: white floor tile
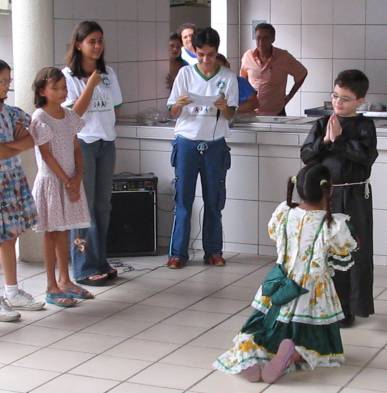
(110, 367)
(359, 356)
(136, 388)
(370, 378)
(196, 318)
(170, 376)
(9, 351)
(213, 304)
(20, 379)
(380, 360)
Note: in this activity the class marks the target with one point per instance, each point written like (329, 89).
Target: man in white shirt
(186, 32)
(203, 98)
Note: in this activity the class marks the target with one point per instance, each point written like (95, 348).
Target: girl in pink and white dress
(58, 191)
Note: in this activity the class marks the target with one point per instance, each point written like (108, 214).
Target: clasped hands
(333, 129)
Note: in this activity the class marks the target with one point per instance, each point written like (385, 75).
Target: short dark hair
(354, 80)
(207, 36)
(4, 66)
(45, 75)
(74, 56)
(266, 26)
(186, 26)
(175, 37)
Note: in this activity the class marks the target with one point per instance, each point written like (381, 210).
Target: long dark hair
(4, 66)
(313, 184)
(74, 55)
(45, 75)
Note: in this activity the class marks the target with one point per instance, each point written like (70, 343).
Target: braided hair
(313, 184)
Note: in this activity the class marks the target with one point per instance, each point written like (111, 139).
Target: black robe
(349, 159)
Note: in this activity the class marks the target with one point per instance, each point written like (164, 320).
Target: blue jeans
(98, 166)
(212, 160)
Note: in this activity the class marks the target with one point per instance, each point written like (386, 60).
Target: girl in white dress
(58, 190)
(297, 310)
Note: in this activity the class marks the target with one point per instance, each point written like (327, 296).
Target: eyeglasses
(6, 82)
(344, 99)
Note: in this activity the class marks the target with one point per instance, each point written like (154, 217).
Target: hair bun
(323, 182)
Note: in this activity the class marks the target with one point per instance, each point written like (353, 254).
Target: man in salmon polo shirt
(267, 68)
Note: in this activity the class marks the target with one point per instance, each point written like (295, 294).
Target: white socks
(10, 291)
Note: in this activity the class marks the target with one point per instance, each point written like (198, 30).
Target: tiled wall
(6, 45)
(136, 33)
(327, 36)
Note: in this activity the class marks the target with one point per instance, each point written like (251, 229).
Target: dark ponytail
(326, 190)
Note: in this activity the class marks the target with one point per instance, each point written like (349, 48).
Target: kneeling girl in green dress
(297, 310)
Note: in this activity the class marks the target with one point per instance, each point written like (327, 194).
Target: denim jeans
(212, 160)
(98, 166)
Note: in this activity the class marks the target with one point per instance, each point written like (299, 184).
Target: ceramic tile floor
(158, 331)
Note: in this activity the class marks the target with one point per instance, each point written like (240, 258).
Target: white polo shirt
(99, 117)
(188, 56)
(197, 120)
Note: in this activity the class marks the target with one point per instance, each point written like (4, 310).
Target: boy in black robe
(345, 142)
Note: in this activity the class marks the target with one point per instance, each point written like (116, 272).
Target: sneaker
(7, 314)
(25, 301)
(175, 263)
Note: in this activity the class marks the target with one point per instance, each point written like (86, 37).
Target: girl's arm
(7, 152)
(52, 163)
(21, 144)
(80, 106)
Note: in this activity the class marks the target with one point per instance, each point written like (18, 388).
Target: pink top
(270, 79)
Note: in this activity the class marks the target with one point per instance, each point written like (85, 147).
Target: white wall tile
(235, 64)
(376, 12)
(240, 221)
(379, 186)
(162, 35)
(127, 161)
(285, 12)
(374, 98)
(255, 10)
(316, 41)
(348, 42)
(313, 100)
(159, 163)
(126, 110)
(127, 9)
(347, 64)
(288, 37)
(349, 12)
(111, 41)
(85, 9)
(319, 77)
(147, 106)
(162, 10)
(165, 215)
(106, 9)
(128, 41)
(377, 74)
(246, 39)
(63, 9)
(219, 11)
(293, 108)
(147, 34)
(147, 89)
(317, 12)
(376, 42)
(162, 69)
(146, 10)
(232, 41)
(62, 37)
(128, 78)
(246, 186)
(273, 177)
(380, 231)
(266, 209)
(232, 12)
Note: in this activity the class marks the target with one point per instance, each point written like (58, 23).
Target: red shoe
(175, 263)
(214, 260)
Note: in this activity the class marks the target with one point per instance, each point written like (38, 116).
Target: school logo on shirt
(221, 85)
(105, 80)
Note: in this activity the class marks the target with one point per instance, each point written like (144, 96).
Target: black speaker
(133, 218)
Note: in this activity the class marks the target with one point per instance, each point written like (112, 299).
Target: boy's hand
(335, 127)
(183, 101)
(327, 137)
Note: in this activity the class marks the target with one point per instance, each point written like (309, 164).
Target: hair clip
(293, 179)
(323, 182)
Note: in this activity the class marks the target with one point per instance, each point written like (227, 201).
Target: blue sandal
(82, 294)
(60, 299)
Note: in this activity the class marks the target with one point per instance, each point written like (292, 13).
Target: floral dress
(308, 252)
(17, 207)
(56, 211)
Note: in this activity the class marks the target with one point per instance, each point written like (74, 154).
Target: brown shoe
(175, 263)
(214, 260)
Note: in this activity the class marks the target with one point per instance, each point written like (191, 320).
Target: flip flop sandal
(112, 274)
(60, 300)
(253, 373)
(94, 283)
(280, 362)
(80, 293)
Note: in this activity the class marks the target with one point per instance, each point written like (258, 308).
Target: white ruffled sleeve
(41, 132)
(77, 123)
(341, 243)
(277, 218)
